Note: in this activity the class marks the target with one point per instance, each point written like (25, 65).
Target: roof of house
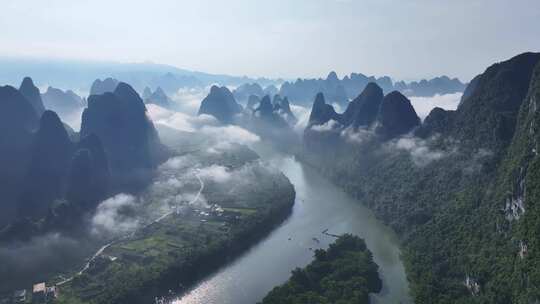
(40, 287)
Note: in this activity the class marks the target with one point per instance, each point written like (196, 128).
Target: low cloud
(358, 136)
(420, 150)
(331, 125)
(115, 215)
(231, 134)
(25, 263)
(302, 114)
(219, 174)
(424, 105)
(188, 100)
(421, 154)
(222, 135)
(477, 161)
(178, 120)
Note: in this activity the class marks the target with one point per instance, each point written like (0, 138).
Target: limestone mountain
(103, 86)
(496, 96)
(242, 93)
(31, 93)
(221, 104)
(396, 116)
(462, 191)
(88, 178)
(46, 175)
(158, 97)
(18, 121)
(128, 136)
(302, 91)
(363, 110)
(392, 114)
(322, 112)
(147, 92)
(283, 108)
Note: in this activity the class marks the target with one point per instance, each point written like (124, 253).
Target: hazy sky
(406, 39)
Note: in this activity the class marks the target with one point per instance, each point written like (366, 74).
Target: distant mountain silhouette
(283, 109)
(80, 75)
(253, 102)
(271, 90)
(340, 91)
(61, 102)
(158, 97)
(242, 93)
(103, 86)
(31, 93)
(221, 104)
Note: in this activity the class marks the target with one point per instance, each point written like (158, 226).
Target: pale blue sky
(278, 38)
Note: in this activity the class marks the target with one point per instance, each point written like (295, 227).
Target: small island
(344, 273)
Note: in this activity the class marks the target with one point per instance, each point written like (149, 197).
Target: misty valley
(408, 173)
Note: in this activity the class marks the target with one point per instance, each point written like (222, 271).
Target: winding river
(319, 205)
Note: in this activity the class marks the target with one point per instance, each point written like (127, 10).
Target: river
(319, 205)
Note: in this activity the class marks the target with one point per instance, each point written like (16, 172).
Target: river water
(319, 205)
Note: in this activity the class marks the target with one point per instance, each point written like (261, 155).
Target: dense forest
(344, 273)
(460, 190)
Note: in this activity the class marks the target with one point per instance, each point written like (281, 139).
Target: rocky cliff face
(221, 104)
(18, 121)
(487, 114)
(89, 175)
(128, 136)
(31, 93)
(46, 176)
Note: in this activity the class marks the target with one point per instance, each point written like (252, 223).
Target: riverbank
(172, 255)
(320, 205)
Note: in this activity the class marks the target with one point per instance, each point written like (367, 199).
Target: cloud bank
(424, 105)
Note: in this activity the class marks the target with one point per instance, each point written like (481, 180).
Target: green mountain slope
(462, 192)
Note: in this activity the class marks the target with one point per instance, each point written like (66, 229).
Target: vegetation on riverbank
(344, 273)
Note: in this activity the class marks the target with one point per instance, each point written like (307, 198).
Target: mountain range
(78, 75)
(340, 91)
(53, 174)
(460, 188)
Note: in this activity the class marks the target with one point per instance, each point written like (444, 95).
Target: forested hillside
(460, 190)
